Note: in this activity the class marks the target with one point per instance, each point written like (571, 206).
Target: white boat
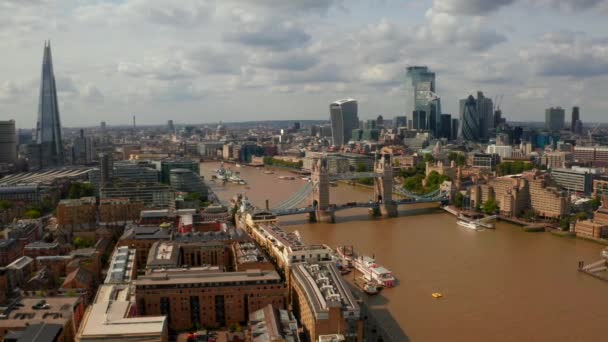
(238, 165)
(306, 178)
(287, 177)
(373, 272)
(605, 253)
(469, 224)
(367, 286)
(268, 172)
(346, 255)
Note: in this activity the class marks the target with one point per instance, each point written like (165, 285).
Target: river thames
(498, 285)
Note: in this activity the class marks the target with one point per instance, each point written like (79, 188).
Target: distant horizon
(515, 123)
(240, 59)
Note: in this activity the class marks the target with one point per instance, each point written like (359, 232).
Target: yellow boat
(436, 295)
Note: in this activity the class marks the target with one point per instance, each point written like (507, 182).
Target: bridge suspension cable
(297, 197)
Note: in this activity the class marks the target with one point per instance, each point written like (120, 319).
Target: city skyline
(287, 55)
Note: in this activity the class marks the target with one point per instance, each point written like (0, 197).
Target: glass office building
(421, 97)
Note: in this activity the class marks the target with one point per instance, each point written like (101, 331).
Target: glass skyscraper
(469, 119)
(420, 96)
(555, 118)
(344, 118)
(48, 127)
(476, 117)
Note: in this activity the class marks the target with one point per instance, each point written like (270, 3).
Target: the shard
(48, 127)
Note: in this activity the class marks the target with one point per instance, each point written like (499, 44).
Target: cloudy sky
(197, 61)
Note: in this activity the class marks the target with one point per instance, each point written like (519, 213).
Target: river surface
(498, 285)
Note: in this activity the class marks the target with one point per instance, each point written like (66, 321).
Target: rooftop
(206, 276)
(121, 268)
(27, 311)
(41, 245)
(325, 288)
(20, 263)
(138, 232)
(163, 254)
(108, 316)
(269, 324)
(46, 176)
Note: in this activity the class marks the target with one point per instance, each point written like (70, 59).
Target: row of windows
(218, 284)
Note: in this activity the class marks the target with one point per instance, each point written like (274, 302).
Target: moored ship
(371, 271)
(468, 224)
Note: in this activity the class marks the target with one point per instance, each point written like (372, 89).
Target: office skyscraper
(344, 118)
(485, 110)
(446, 126)
(419, 120)
(455, 126)
(555, 119)
(576, 116)
(48, 127)
(170, 126)
(469, 119)
(420, 96)
(8, 142)
(400, 121)
(476, 117)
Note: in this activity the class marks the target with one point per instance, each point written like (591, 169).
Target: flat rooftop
(197, 276)
(325, 288)
(108, 317)
(57, 310)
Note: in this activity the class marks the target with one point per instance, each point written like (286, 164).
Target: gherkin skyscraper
(48, 127)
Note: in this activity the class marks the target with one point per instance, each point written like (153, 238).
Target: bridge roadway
(351, 205)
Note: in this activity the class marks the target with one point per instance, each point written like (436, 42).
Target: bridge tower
(320, 193)
(383, 185)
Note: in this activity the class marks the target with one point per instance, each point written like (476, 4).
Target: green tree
(564, 224)
(32, 214)
(458, 158)
(596, 203)
(283, 163)
(78, 190)
(4, 204)
(414, 184)
(490, 206)
(79, 242)
(361, 167)
(459, 200)
(581, 216)
(429, 158)
(511, 168)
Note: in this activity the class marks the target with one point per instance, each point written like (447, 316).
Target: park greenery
(32, 214)
(282, 163)
(419, 184)
(5, 205)
(458, 158)
(78, 190)
(79, 242)
(513, 167)
(198, 198)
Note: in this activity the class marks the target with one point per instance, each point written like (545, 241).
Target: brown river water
(498, 285)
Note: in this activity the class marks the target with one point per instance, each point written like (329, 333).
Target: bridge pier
(325, 216)
(389, 210)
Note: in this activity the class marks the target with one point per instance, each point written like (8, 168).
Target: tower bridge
(317, 193)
